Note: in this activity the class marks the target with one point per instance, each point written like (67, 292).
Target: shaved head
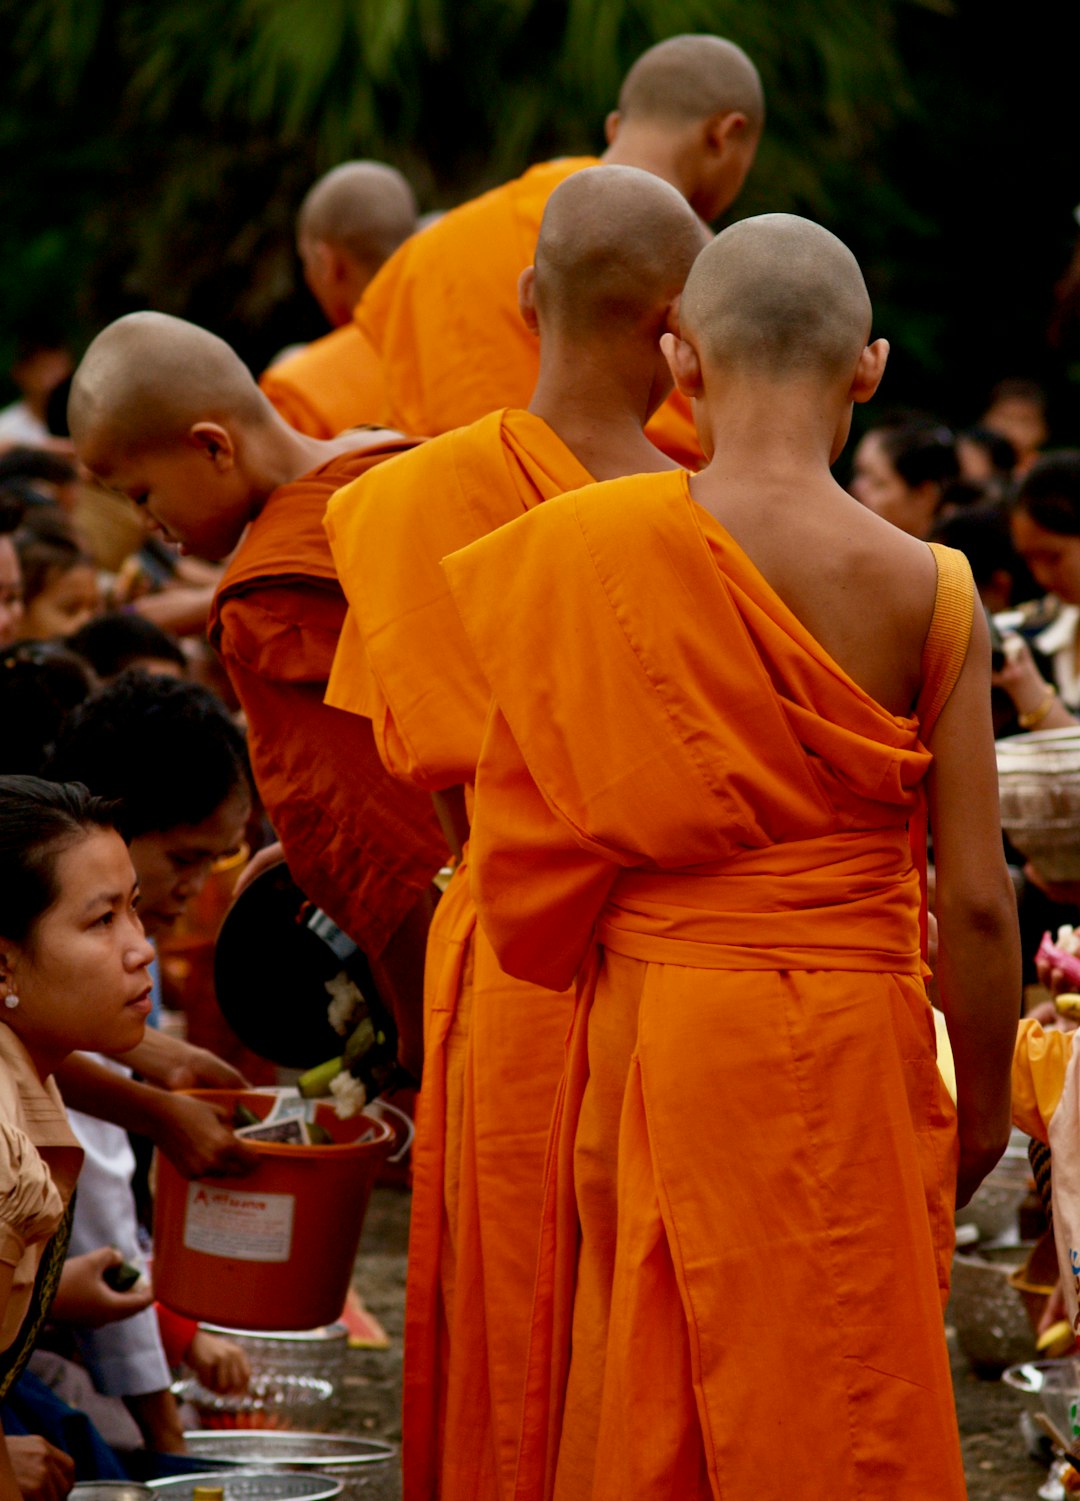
(148, 378)
(690, 78)
(364, 208)
(780, 297)
(614, 250)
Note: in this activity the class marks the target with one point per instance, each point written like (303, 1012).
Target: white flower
(349, 1094)
(1068, 939)
(346, 999)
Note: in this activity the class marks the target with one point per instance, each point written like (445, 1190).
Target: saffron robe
(443, 314)
(334, 384)
(360, 844)
(752, 1167)
(493, 1045)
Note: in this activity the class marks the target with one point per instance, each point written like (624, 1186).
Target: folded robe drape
(359, 844)
(493, 1044)
(334, 383)
(443, 314)
(748, 1212)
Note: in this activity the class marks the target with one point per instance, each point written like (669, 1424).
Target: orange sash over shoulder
(429, 698)
(359, 844)
(753, 1151)
(334, 384)
(493, 1045)
(443, 314)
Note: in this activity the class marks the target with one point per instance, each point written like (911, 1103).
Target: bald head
(687, 79)
(614, 250)
(148, 378)
(779, 297)
(364, 208)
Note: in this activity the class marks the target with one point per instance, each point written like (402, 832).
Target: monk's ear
(869, 370)
(216, 442)
(611, 126)
(527, 299)
(722, 131)
(684, 364)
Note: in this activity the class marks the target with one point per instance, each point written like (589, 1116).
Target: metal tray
(262, 1448)
(252, 1485)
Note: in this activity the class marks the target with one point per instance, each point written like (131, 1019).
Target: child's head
(40, 683)
(120, 639)
(776, 306)
(60, 584)
(166, 414)
(169, 753)
(1046, 523)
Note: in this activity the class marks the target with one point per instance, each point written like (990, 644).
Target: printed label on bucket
(243, 1226)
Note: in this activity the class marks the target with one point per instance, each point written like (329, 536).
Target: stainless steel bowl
(252, 1485)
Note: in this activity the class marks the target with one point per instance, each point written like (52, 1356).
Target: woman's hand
(1028, 689)
(194, 1137)
(42, 1472)
(84, 1297)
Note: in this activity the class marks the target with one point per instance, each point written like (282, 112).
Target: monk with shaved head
(351, 221)
(442, 313)
(168, 415)
(614, 248)
(719, 703)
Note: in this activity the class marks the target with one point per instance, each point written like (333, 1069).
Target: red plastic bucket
(273, 1249)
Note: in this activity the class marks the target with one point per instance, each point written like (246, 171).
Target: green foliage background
(153, 152)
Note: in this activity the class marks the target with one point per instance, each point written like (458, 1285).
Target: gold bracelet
(1034, 717)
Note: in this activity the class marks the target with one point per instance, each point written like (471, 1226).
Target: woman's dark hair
(996, 446)
(40, 683)
(981, 533)
(44, 555)
(1050, 492)
(920, 450)
(164, 748)
(38, 821)
(113, 641)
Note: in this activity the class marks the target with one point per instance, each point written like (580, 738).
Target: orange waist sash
(847, 901)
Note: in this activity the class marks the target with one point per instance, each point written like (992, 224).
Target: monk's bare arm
(453, 818)
(979, 948)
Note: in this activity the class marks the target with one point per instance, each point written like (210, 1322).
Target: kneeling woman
(73, 975)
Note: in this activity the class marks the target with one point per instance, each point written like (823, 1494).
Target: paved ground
(997, 1466)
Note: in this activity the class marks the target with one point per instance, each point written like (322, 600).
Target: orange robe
(443, 314)
(334, 384)
(748, 1216)
(493, 1045)
(359, 844)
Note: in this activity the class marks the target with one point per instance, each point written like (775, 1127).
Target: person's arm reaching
(190, 1132)
(978, 969)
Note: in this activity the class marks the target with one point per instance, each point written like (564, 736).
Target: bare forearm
(89, 1086)
(979, 977)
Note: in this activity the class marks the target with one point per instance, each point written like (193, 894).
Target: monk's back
(862, 588)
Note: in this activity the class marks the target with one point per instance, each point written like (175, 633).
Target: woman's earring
(11, 1001)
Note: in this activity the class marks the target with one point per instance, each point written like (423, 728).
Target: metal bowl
(252, 1485)
(295, 1375)
(1039, 785)
(327, 1452)
(111, 1490)
(1055, 1387)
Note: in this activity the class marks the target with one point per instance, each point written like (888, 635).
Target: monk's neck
(767, 439)
(599, 411)
(649, 151)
